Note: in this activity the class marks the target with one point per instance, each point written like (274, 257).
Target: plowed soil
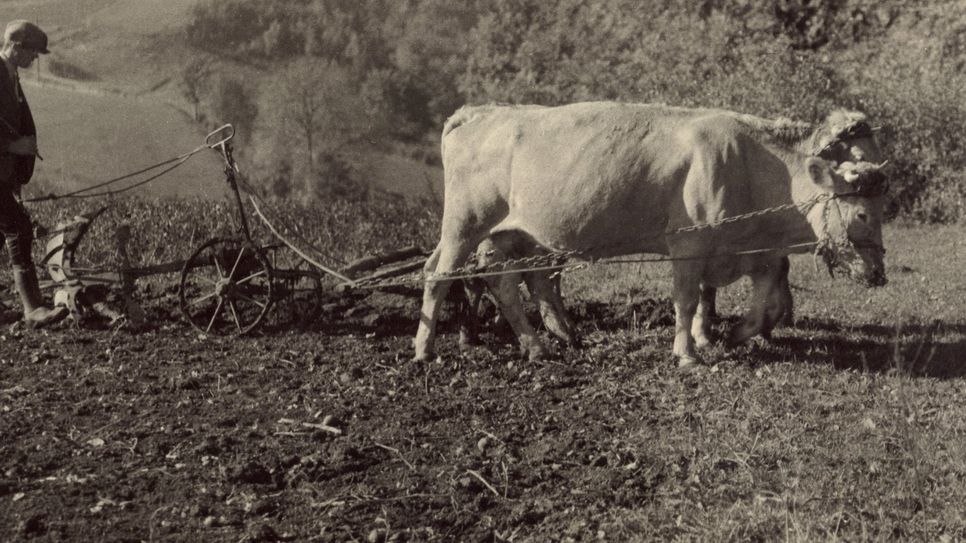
(332, 433)
(327, 434)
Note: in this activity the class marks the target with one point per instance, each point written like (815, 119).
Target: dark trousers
(16, 231)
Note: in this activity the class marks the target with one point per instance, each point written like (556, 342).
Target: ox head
(846, 136)
(847, 218)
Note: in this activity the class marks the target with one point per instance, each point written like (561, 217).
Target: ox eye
(863, 217)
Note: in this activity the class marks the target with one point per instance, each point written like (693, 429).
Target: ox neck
(795, 225)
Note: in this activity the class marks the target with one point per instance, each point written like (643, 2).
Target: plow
(228, 285)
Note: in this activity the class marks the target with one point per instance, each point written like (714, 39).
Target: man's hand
(25, 146)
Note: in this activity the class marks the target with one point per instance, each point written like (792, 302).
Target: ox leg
(558, 303)
(780, 306)
(546, 291)
(701, 325)
(787, 318)
(469, 312)
(686, 297)
(764, 304)
(709, 296)
(506, 288)
(443, 259)
(774, 309)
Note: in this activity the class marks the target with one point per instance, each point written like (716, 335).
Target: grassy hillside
(95, 129)
(118, 107)
(53, 14)
(87, 137)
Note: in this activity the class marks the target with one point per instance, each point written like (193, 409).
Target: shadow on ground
(935, 349)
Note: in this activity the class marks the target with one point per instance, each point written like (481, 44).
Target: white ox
(606, 179)
(843, 136)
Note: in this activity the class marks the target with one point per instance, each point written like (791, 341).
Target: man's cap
(27, 35)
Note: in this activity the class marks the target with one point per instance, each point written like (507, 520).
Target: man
(22, 43)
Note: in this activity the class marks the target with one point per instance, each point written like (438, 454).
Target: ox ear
(820, 172)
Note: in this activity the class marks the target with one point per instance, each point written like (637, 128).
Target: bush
(534, 52)
(900, 66)
(921, 104)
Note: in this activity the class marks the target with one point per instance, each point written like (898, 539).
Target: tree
(231, 101)
(313, 111)
(427, 53)
(194, 82)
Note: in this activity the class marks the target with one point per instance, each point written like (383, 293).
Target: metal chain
(556, 260)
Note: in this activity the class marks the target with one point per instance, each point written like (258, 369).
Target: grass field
(926, 296)
(846, 427)
(91, 137)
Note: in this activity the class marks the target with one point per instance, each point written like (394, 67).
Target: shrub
(900, 66)
(535, 52)
(921, 102)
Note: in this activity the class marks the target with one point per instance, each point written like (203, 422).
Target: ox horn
(851, 171)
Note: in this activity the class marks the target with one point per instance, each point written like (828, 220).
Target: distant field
(52, 14)
(90, 133)
(87, 137)
(137, 16)
(392, 172)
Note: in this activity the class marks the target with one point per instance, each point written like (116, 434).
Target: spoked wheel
(297, 289)
(226, 287)
(298, 297)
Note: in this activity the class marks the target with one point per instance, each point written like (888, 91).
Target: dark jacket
(15, 170)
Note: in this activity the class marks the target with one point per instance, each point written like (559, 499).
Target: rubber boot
(35, 313)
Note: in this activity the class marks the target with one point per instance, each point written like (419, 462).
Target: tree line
(341, 73)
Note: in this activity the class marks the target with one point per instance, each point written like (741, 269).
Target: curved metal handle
(220, 136)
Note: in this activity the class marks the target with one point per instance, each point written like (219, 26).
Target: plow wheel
(226, 287)
(298, 296)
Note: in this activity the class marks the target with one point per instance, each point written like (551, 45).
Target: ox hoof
(44, 316)
(702, 342)
(536, 354)
(689, 362)
(424, 357)
(740, 335)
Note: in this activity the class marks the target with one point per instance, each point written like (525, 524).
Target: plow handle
(220, 136)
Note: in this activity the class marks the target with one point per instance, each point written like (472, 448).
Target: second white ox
(603, 179)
